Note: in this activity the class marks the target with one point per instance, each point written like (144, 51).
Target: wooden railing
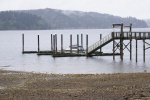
(99, 43)
(131, 35)
(117, 35)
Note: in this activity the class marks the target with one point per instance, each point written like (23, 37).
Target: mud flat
(33, 86)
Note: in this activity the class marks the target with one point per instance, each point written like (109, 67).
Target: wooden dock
(29, 52)
(96, 48)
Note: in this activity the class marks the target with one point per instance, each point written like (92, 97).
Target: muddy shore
(31, 86)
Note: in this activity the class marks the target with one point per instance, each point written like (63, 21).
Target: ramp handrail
(99, 43)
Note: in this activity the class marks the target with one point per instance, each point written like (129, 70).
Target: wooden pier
(96, 48)
(122, 36)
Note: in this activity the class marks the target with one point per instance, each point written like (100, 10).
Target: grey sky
(124, 8)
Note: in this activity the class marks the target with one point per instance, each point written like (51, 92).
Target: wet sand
(33, 86)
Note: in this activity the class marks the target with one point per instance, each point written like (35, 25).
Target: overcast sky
(124, 8)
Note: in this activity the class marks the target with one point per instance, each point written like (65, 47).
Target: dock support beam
(61, 43)
(121, 39)
(38, 43)
(113, 46)
(70, 43)
(130, 41)
(22, 43)
(144, 50)
(136, 50)
(130, 49)
(121, 42)
(77, 43)
(86, 44)
(100, 39)
(51, 42)
(82, 40)
(56, 41)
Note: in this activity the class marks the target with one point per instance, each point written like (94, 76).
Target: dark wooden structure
(93, 49)
(121, 36)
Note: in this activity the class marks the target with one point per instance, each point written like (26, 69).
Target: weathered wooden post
(61, 43)
(38, 43)
(70, 43)
(130, 41)
(113, 36)
(56, 41)
(131, 48)
(113, 45)
(54, 44)
(87, 44)
(77, 43)
(130, 27)
(144, 50)
(136, 50)
(51, 42)
(82, 40)
(22, 43)
(121, 42)
(100, 39)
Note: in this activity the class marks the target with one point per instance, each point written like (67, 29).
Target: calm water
(11, 57)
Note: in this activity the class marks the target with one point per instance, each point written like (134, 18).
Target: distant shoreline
(68, 29)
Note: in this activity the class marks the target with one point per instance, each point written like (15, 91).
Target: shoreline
(26, 86)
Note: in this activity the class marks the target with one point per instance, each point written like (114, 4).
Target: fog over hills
(147, 22)
(60, 19)
(63, 19)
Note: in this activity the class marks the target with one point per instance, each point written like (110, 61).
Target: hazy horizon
(123, 8)
(76, 10)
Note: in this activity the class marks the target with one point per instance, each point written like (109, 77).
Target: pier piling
(70, 43)
(38, 43)
(100, 39)
(22, 43)
(82, 40)
(121, 42)
(77, 43)
(56, 41)
(61, 43)
(54, 44)
(51, 42)
(144, 50)
(87, 44)
(113, 45)
(130, 49)
(136, 49)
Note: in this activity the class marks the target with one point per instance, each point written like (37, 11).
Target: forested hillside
(148, 22)
(11, 20)
(60, 19)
